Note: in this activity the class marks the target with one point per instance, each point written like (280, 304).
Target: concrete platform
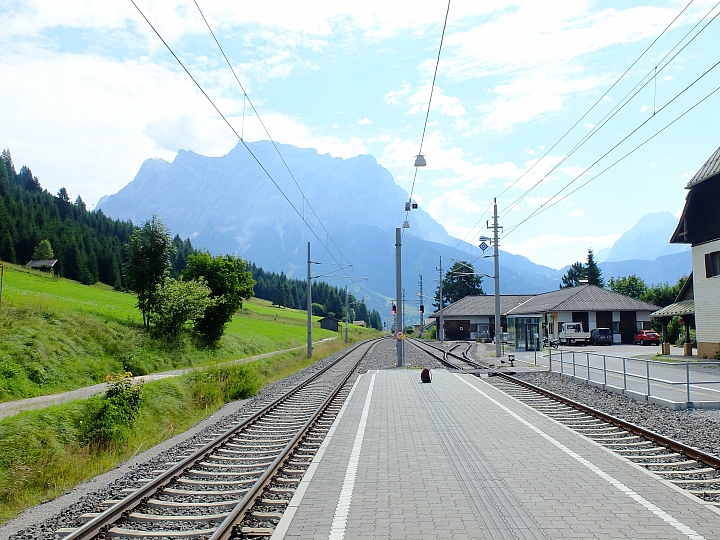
(459, 459)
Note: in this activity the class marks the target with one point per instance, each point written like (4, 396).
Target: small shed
(329, 323)
(45, 265)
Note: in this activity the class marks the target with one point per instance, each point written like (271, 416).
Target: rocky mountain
(647, 240)
(229, 204)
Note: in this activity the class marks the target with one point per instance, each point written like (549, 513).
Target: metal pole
(647, 372)
(574, 370)
(422, 322)
(550, 362)
(588, 366)
(441, 329)
(624, 373)
(687, 378)
(347, 314)
(605, 370)
(398, 294)
(309, 308)
(498, 327)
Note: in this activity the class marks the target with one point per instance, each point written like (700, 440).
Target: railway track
(688, 468)
(236, 484)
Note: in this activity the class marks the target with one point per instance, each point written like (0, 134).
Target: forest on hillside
(92, 247)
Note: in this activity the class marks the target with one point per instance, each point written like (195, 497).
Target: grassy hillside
(59, 335)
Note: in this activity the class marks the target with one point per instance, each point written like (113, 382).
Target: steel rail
(677, 446)
(226, 529)
(105, 519)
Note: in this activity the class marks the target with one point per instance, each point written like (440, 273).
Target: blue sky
(88, 93)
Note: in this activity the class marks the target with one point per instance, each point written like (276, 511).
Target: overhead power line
(267, 132)
(432, 89)
(475, 229)
(548, 206)
(267, 173)
(650, 76)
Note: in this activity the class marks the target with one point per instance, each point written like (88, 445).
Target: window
(712, 264)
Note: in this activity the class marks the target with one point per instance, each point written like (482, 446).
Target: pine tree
(592, 271)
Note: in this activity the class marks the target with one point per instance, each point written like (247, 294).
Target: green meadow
(59, 335)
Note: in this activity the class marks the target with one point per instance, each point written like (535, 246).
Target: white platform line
(659, 512)
(342, 510)
(284, 525)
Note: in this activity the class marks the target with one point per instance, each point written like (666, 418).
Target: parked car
(646, 337)
(504, 337)
(572, 333)
(601, 336)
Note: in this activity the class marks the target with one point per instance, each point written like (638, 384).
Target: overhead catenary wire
(649, 77)
(475, 229)
(597, 102)
(432, 89)
(267, 173)
(548, 206)
(267, 132)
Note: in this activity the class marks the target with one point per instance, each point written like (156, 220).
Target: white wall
(707, 296)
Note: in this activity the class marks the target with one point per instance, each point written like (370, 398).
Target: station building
(594, 307)
(699, 226)
(473, 317)
(529, 318)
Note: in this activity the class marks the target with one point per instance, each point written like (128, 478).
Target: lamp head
(420, 161)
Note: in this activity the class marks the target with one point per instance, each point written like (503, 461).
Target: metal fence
(679, 379)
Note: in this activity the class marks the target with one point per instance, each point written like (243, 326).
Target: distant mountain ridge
(647, 240)
(229, 205)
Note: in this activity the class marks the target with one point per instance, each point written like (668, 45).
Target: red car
(644, 337)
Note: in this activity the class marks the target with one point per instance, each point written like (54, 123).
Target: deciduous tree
(460, 281)
(229, 282)
(149, 251)
(43, 251)
(630, 285)
(179, 303)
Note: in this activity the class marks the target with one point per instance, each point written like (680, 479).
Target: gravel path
(10, 408)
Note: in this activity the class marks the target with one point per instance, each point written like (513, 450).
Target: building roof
(329, 319)
(42, 263)
(683, 307)
(581, 298)
(710, 169)
(475, 306)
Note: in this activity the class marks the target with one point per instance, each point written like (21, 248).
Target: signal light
(422, 308)
(394, 310)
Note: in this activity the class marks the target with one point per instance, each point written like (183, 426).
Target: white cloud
(364, 121)
(529, 98)
(109, 127)
(556, 250)
(395, 96)
(644, 108)
(578, 213)
(445, 104)
(668, 78)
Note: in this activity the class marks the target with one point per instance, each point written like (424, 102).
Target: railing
(633, 370)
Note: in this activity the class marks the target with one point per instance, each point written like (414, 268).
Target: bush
(180, 302)
(215, 386)
(112, 415)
